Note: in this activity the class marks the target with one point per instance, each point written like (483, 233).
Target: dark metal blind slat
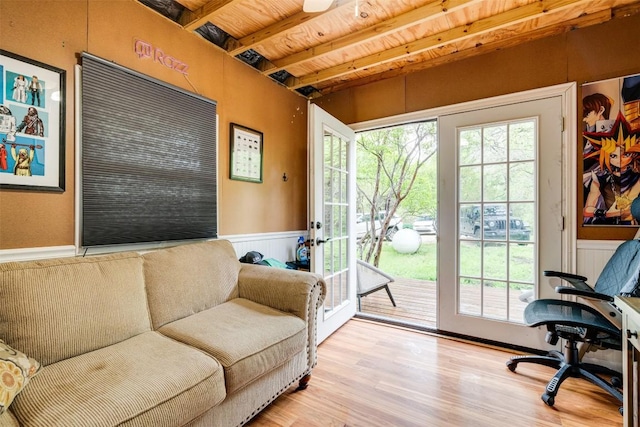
(148, 159)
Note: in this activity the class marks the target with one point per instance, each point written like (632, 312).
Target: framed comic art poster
(32, 132)
(610, 151)
(245, 154)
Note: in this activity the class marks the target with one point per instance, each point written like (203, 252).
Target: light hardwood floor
(370, 374)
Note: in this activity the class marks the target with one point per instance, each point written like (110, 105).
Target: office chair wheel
(621, 410)
(549, 400)
(511, 365)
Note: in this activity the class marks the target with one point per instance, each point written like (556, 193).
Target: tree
(389, 161)
(422, 199)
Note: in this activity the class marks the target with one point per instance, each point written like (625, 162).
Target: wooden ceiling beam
(510, 17)
(626, 10)
(279, 27)
(192, 20)
(540, 33)
(397, 23)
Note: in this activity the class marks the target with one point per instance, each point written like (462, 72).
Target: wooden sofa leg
(304, 382)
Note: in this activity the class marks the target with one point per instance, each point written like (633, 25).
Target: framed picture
(610, 151)
(245, 154)
(32, 128)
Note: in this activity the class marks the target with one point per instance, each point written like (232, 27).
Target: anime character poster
(31, 124)
(611, 150)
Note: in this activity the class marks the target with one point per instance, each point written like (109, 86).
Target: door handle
(320, 241)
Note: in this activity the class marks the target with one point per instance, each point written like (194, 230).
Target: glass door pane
(335, 220)
(496, 206)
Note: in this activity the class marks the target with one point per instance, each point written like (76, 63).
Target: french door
(500, 217)
(333, 243)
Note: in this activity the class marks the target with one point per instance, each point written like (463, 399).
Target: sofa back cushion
(187, 279)
(60, 308)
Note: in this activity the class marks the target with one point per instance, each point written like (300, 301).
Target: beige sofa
(180, 336)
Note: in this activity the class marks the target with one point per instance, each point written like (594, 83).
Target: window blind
(148, 159)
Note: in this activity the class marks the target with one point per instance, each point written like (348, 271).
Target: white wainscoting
(592, 255)
(281, 246)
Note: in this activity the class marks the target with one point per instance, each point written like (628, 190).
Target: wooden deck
(415, 302)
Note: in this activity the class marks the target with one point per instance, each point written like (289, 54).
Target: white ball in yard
(406, 241)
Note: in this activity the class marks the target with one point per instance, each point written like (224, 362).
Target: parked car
(363, 222)
(425, 224)
(494, 223)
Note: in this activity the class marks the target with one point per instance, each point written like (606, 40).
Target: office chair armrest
(578, 282)
(567, 290)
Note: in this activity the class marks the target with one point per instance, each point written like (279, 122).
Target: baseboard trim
(238, 238)
(27, 254)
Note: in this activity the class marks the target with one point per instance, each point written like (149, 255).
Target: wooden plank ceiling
(355, 42)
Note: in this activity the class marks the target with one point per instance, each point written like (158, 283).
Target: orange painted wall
(594, 53)
(56, 32)
(62, 29)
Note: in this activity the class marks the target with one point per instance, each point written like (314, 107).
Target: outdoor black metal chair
(372, 279)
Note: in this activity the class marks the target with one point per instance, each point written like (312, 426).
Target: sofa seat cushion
(249, 339)
(146, 380)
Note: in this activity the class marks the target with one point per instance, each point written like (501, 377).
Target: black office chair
(585, 327)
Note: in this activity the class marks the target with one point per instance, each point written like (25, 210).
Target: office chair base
(588, 371)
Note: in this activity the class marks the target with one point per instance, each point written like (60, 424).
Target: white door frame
(460, 310)
(341, 307)
(568, 93)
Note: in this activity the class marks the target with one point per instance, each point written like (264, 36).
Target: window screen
(148, 159)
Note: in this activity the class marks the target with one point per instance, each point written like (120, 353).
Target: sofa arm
(297, 292)
(8, 420)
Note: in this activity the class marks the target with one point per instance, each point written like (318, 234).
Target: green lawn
(422, 264)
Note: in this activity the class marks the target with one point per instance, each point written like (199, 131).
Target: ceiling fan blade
(311, 6)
